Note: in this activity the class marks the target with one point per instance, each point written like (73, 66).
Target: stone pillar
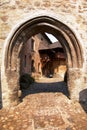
(10, 89)
(75, 83)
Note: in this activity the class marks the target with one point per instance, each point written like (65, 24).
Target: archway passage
(15, 43)
(44, 62)
(42, 57)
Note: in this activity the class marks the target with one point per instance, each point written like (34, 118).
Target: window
(41, 39)
(38, 67)
(32, 66)
(32, 44)
(25, 61)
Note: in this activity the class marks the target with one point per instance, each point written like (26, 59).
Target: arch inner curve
(11, 61)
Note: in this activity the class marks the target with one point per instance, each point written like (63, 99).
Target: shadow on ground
(83, 99)
(46, 87)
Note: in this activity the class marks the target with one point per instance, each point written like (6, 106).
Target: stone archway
(22, 32)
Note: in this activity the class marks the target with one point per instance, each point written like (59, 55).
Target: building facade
(40, 57)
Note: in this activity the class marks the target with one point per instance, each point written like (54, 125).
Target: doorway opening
(48, 58)
(46, 64)
(12, 63)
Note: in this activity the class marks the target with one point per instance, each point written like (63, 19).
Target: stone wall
(72, 13)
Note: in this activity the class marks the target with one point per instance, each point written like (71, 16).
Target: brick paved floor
(44, 111)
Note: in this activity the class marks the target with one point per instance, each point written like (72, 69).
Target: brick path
(44, 111)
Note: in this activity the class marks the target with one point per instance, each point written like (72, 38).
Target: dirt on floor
(45, 106)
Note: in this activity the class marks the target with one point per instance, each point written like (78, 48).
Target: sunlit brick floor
(44, 110)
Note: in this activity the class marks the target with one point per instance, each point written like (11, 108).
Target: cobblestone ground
(45, 110)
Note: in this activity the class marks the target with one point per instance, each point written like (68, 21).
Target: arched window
(32, 66)
(32, 44)
(25, 60)
(38, 67)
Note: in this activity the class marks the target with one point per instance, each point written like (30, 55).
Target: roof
(42, 46)
(55, 45)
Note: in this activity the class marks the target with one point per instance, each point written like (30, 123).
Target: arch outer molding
(37, 23)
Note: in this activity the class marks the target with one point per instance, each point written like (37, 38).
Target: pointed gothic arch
(18, 37)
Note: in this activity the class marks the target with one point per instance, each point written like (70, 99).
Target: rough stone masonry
(20, 19)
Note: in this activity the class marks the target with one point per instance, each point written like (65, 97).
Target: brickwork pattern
(44, 112)
(73, 13)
